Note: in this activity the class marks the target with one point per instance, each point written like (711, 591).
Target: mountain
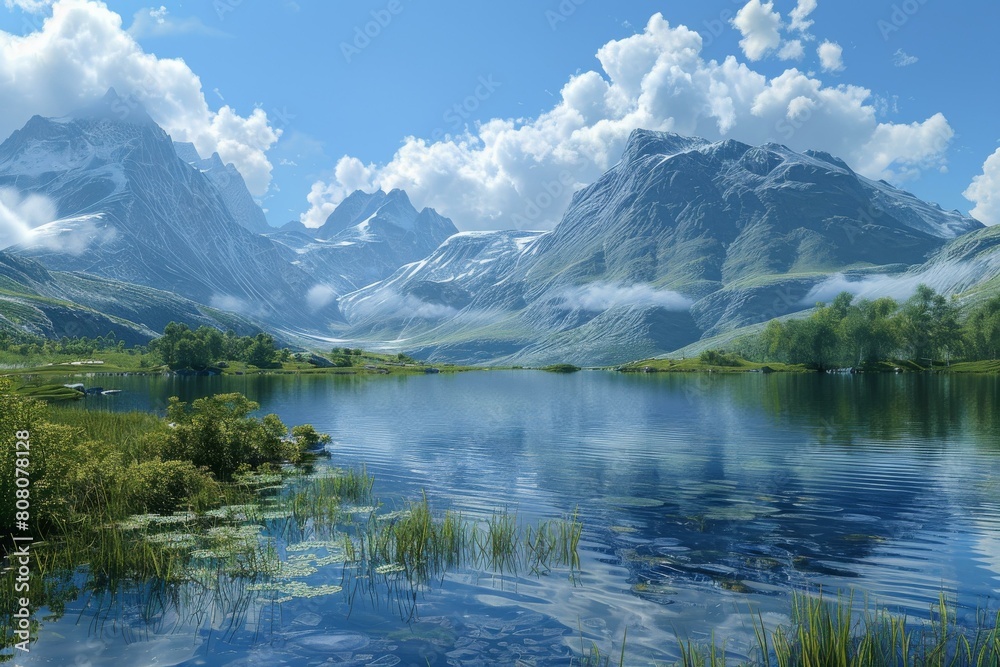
(683, 238)
(365, 239)
(132, 211)
(56, 304)
(230, 184)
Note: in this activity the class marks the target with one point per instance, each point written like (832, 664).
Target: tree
(261, 352)
(869, 332)
(929, 325)
(982, 330)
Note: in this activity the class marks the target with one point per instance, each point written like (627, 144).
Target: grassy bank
(107, 362)
(697, 365)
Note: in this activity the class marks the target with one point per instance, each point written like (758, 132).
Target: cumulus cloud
(800, 14)
(792, 50)
(760, 26)
(599, 296)
(831, 56)
(81, 50)
(521, 173)
(984, 191)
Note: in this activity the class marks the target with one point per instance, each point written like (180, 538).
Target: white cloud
(984, 191)
(30, 6)
(831, 56)
(599, 296)
(508, 173)
(403, 306)
(20, 215)
(944, 277)
(32, 221)
(799, 15)
(320, 296)
(760, 26)
(81, 50)
(792, 50)
(903, 59)
(917, 146)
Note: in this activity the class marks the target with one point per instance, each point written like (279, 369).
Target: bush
(219, 434)
(162, 486)
(719, 358)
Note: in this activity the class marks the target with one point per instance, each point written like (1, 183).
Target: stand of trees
(181, 347)
(923, 329)
(26, 344)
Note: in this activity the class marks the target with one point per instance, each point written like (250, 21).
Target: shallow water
(701, 497)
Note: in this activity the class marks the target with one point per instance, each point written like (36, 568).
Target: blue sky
(330, 94)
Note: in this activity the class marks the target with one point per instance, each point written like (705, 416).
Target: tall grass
(824, 633)
(414, 540)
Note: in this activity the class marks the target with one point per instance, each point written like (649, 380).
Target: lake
(702, 497)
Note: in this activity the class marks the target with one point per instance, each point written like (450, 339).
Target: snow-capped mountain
(682, 238)
(131, 210)
(365, 239)
(230, 184)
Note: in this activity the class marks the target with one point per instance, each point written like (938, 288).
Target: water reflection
(700, 495)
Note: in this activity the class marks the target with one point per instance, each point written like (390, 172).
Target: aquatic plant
(823, 632)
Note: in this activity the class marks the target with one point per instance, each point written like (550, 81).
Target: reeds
(826, 633)
(415, 541)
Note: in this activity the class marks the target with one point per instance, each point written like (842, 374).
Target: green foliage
(982, 331)
(180, 347)
(719, 358)
(306, 437)
(92, 467)
(261, 352)
(218, 433)
(26, 345)
(561, 368)
(925, 328)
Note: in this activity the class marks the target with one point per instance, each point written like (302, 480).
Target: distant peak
(115, 108)
(823, 156)
(643, 143)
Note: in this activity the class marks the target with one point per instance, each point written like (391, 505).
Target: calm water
(701, 496)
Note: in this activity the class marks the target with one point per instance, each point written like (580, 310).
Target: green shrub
(218, 433)
(719, 358)
(158, 486)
